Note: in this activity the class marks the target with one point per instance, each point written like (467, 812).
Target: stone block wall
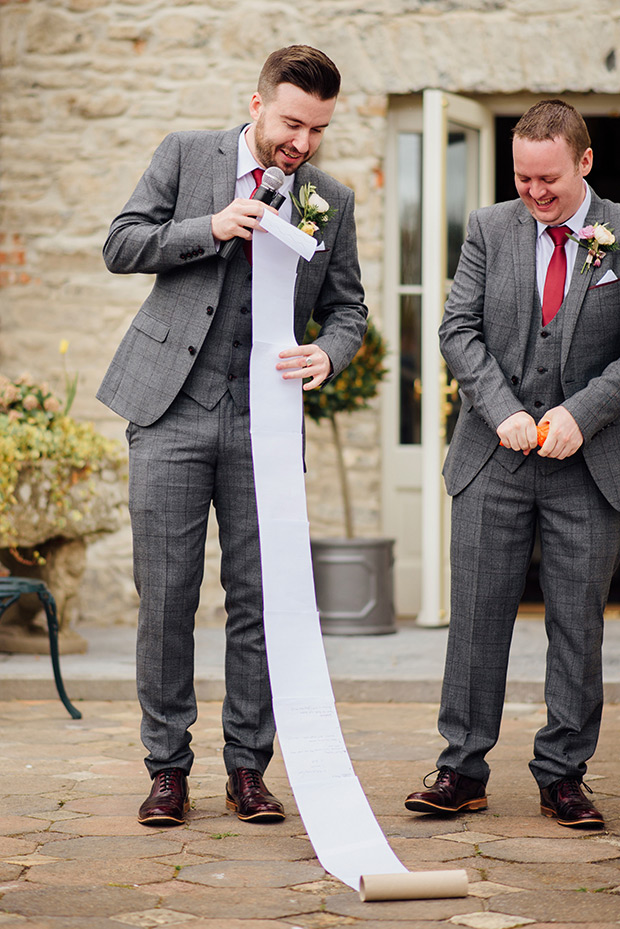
(90, 87)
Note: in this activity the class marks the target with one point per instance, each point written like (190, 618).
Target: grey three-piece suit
(494, 343)
(180, 376)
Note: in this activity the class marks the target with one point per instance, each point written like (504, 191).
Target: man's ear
(256, 105)
(585, 162)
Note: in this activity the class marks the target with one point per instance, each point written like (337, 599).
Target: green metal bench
(11, 589)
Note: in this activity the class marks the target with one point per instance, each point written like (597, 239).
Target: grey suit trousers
(187, 459)
(493, 530)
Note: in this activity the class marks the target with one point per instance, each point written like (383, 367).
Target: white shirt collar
(577, 221)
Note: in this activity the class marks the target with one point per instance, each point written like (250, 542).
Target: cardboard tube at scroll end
(416, 885)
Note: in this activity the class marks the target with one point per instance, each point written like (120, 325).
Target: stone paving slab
(72, 855)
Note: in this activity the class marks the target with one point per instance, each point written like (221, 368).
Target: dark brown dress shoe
(248, 796)
(168, 801)
(564, 800)
(450, 793)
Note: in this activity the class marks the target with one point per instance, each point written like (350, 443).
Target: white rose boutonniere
(315, 212)
(599, 240)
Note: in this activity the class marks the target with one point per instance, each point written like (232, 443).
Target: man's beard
(266, 151)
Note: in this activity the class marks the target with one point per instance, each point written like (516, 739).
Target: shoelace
(169, 780)
(249, 779)
(445, 777)
(571, 787)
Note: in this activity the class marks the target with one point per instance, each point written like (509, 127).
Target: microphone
(273, 178)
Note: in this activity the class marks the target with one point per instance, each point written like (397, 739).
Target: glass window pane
(410, 369)
(456, 186)
(410, 206)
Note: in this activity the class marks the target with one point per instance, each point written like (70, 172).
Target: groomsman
(531, 331)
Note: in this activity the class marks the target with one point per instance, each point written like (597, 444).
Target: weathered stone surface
(95, 871)
(245, 903)
(349, 904)
(146, 846)
(483, 920)
(249, 873)
(585, 849)
(83, 901)
(555, 905)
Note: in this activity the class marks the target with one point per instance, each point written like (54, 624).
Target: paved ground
(72, 855)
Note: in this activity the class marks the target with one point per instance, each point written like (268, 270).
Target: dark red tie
(257, 174)
(555, 280)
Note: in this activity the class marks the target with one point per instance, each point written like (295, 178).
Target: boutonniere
(599, 240)
(315, 212)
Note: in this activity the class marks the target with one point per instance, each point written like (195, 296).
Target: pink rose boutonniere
(599, 240)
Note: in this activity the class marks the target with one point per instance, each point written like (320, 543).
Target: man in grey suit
(180, 376)
(532, 333)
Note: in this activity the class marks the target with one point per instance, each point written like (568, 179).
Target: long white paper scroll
(343, 830)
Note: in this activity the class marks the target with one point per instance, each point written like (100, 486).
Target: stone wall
(90, 87)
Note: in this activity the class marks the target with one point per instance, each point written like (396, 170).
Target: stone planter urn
(46, 538)
(61, 485)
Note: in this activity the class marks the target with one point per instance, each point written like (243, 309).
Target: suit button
(236, 343)
(537, 403)
(514, 379)
(209, 311)
(544, 334)
(542, 370)
(183, 257)
(191, 350)
(201, 251)
(244, 310)
(232, 377)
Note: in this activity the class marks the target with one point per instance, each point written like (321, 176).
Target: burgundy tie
(555, 280)
(257, 174)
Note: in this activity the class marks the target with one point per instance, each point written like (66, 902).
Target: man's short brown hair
(305, 67)
(552, 119)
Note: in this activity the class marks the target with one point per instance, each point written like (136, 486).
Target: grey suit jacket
(165, 229)
(485, 331)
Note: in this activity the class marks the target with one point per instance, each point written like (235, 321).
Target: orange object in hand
(542, 431)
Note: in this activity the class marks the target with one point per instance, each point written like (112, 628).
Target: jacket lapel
(579, 282)
(524, 257)
(225, 169)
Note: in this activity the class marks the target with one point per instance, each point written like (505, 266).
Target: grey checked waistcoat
(224, 360)
(540, 388)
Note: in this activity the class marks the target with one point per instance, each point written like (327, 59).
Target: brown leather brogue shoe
(451, 793)
(564, 800)
(168, 801)
(248, 796)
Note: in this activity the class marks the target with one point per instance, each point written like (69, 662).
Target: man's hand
(305, 361)
(564, 437)
(238, 220)
(518, 432)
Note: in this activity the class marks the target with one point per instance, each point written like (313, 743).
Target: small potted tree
(353, 576)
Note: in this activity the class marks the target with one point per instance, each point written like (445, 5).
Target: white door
(439, 168)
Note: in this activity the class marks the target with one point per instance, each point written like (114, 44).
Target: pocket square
(607, 278)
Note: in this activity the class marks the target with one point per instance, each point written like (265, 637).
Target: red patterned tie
(555, 280)
(257, 174)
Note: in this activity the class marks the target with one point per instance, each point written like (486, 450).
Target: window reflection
(410, 206)
(410, 369)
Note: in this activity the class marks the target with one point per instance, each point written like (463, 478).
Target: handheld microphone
(273, 178)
